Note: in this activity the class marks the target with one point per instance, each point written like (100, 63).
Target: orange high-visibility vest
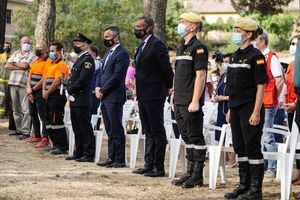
(290, 95)
(270, 98)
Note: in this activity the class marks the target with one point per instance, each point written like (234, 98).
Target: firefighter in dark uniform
(246, 82)
(55, 101)
(189, 86)
(79, 94)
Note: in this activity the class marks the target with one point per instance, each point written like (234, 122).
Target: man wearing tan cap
(246, 82)
(189, 86)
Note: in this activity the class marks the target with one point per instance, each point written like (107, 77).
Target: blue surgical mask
(25, 47)
(52, 55)
(237, 38)
(293, 49)
(181, 29)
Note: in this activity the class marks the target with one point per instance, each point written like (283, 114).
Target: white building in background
(10, 27)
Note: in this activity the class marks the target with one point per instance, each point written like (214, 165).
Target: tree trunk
(3, 5)
(45, 26)
(156, 9)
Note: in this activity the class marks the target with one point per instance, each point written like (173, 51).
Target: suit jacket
(112, 80)
(79, 84)
(154, 74)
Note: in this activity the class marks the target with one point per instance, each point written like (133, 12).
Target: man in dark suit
(154, 80)
(111, 90)
(79, 93)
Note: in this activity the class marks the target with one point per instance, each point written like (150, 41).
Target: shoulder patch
(200, 50)
(88, 65)
(260, 62)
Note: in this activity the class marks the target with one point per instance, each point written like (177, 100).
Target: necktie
(107, 57)
(139, 51)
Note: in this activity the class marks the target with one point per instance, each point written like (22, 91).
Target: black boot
(257, 175)
(197, 177)
(244, 175)
(190, 168)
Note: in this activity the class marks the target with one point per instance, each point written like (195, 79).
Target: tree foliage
(264, 7)
(91, 17)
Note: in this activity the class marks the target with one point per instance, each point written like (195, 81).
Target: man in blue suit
(111, 90)
(154, 81)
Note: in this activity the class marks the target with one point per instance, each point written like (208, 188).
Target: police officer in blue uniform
(246, 82)
(79, 94)
(189, 86)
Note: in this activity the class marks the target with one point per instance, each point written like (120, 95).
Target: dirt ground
(27, 173)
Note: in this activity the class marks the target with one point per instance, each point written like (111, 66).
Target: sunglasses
(293, 43)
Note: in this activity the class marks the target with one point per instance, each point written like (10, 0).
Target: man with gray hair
(19, 64)
(273, 90)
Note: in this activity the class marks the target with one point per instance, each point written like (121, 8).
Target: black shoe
(142, 170)
(241, 189)
(85, 159)
(16, 133)
(105, 163)
(74, 157)
(116, 165)
(23, 136)
(57, 151)
(155, 173)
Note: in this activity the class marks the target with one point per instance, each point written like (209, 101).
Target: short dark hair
(59, 45)
(114, 29)
(95, 50)
(148, 21)
(7, 42)
(256, 33)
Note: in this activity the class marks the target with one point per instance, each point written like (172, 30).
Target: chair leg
(174, 152)
(99, 139)
(134, 144)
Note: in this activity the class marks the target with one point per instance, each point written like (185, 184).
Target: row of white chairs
(216, 150)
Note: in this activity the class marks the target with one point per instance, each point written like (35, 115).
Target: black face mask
(77, 49)
(7, 49)
(38, 52)
(140, 33)
(108, 43)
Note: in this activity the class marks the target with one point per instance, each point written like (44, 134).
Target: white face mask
(25, 47)
(214, 78)
(293, 49)
(224, 67)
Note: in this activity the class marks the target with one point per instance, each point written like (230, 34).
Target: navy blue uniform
(79, 86)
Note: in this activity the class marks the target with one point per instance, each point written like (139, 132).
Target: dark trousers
(279, 120)
(84, 134)
(36, 110)
(190, 125)
(8, 109)
(112, 117)
(297, 120)
(152, 119)
(245, 137)
(54, 115)
(290, 119)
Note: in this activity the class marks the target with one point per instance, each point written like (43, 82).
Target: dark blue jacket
(113, 74)
(154, 74)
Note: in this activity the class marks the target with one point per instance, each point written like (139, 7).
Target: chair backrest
(208, 109)
(127, 109)
(209, 132)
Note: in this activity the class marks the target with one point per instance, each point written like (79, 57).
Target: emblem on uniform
(87, 65)
(200, 51)
(187, 53)
(260, 62)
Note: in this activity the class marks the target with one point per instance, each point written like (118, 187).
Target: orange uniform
(270, 98)
(290, 95)
(55, 70)
(37, 70)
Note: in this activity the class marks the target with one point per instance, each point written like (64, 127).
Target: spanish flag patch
(200, 50)
(260, 62)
